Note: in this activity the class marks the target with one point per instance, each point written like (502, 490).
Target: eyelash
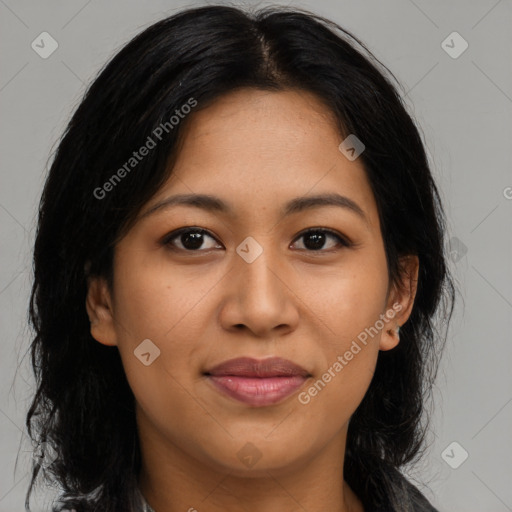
(167, 241)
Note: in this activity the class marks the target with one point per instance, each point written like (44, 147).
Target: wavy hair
(83, 407)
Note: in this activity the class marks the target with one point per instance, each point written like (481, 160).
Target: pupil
(318, 240)
(194, 240)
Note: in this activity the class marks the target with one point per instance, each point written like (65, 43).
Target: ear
(99, 309)
(400, 301)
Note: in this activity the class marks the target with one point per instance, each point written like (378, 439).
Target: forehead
(265, 123)
(259, 149)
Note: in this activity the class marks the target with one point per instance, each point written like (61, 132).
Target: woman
(238, 263)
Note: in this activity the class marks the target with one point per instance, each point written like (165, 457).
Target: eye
(188, 239)
(192, 239)
(315, 239)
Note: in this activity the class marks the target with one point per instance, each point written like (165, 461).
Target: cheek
(351, 304)
(352, 298)
(349, 349)
(156, 302)
(154, 298)
(153, 305)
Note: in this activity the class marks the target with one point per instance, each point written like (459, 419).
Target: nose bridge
(258, 265)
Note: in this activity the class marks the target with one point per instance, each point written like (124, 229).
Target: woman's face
(253, 285)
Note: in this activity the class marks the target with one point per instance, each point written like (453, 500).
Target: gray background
(463, 106)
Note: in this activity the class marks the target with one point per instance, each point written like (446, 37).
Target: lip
(258, 382)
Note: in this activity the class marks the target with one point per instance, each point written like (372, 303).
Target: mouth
(257, 383)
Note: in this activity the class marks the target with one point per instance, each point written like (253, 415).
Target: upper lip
(249, 367)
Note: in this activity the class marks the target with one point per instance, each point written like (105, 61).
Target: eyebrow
(211, 203)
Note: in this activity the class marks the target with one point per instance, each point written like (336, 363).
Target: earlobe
(400, 301)
(390, 338)
(99, 309)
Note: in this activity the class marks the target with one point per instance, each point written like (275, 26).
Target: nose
(260, 297)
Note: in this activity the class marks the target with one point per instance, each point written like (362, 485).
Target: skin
(256, 150)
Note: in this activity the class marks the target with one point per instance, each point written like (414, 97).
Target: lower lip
(257, 392)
